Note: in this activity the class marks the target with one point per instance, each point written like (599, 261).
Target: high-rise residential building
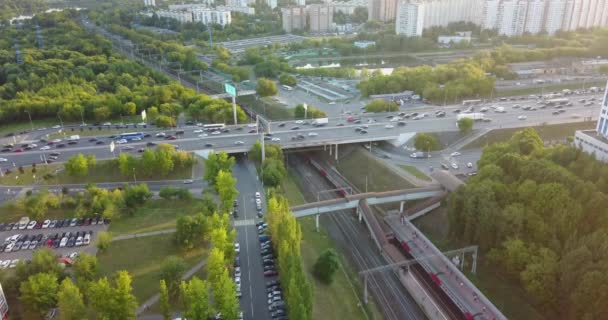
(382, 10)
(150, 3)
(272, 3)
(301, 2)
(410, 18)
(294, 18)
(348, 7)
(444, 12)
(181, 16)
(212, 16)
(237, 3)
(320, 17)
(514, 17)
(596, 142)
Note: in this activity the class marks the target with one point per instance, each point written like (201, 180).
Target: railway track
(391, 296)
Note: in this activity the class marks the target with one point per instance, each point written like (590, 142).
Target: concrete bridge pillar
(330, 149)
(336, 152)
(317, 222)
(359, 214)
(401, 206)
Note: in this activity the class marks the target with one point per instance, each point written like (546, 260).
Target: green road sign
(230, 89)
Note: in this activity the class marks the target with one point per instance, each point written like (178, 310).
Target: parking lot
(82, 227)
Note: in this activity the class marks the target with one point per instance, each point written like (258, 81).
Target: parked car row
(27, 224)
(276, 302)
(258, 204)
(58, 240)
(5, 264)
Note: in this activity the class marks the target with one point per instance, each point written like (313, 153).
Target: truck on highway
(474, 116)
(74, 138)
(500, 110)
(319, 122)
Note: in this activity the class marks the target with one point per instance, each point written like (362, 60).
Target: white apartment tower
(320, 17)
(272, 3)
(410, 18)
(382, 10)
(150, 3)
(514, 17)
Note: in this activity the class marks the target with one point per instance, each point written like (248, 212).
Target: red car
(18, 150)
(270, 273)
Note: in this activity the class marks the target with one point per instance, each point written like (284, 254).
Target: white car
(189, 181)
(33, 145)
(107, 124)
(3, 160)
(299, 121)
(136, 139)
(198, 131)
(121, 141)
(31, 225)
(56, 127)
(46, 224)
(257, 195)
(522, 117)
(454, 165)
(455, 154)
(160, 134)
(13, 263)
(258, 201)
(239, 143)
(63, 242)
(312, 134)
(237, 248)
(202, 135)
(87, 239)
(45, 148)
(237, 280)
(4, 264)
(237, 271)
(389, 126)
(56, 141)
(9, 247)
(275, 139)
(216, 132)
(469, 165)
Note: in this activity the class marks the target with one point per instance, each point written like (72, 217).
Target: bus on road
(214, 126)
(131, 136)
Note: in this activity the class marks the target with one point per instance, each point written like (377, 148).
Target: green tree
(172, 270)
(164, 301)
(125, 301)
(163, 121)
(77, 166)
(215, 267)
(224, 297)
(151, 114)
(288, 80)
(426, 142)
(39, 292)
(101, 298)
(195, 297)
(266, 87)
(70, 301)
(465, 125)
(215, 163)
(225, 185)
(381, 105)
(86, 267)
(326, 266)
(273, 172)
(103, 241)
(190, 230)
(136, 195)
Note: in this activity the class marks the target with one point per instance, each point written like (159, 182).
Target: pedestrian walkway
(154, 299)
(461, 143)
(143, 234)
(246, 222)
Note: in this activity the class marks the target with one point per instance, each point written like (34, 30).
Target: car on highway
(45, 148)
(238, 143)
(18, 150)
(522, 117)
(455, 154)
(160, 135)
(389, 126)
(276, 139)
(470, 165)
(208, 144)
(198, 131)
(216, 132)
(188, 181)
(295, 128)
(454, 165)
(299, 121)
(237, 248)
(121, 141)
(3, 159)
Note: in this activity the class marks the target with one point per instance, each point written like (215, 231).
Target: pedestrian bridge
(372, 198)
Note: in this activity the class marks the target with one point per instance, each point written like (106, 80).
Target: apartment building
(410, 18)
(294, 18)
(515, 17)
(382, 10)
(212, 16)
(181, 16)
(150, 3)
(320, 17)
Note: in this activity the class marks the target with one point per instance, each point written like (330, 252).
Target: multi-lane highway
(337, 131)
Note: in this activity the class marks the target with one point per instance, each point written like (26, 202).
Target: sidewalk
(154, 299)
(143, 234)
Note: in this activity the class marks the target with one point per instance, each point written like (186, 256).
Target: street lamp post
(30, 116)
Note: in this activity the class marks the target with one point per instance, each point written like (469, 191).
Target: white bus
(288, 88)
(213, 126)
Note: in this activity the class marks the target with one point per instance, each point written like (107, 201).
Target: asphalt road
(326, 135)
(253, 283)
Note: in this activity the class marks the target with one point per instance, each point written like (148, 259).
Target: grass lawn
(506, 295)
(292, 192)
(107, 171)
(415, 172)
(154, 215)
(143, 258)
(272, 109)
(558, 87)
(27, 178)
(546, 132)
(379, 177)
